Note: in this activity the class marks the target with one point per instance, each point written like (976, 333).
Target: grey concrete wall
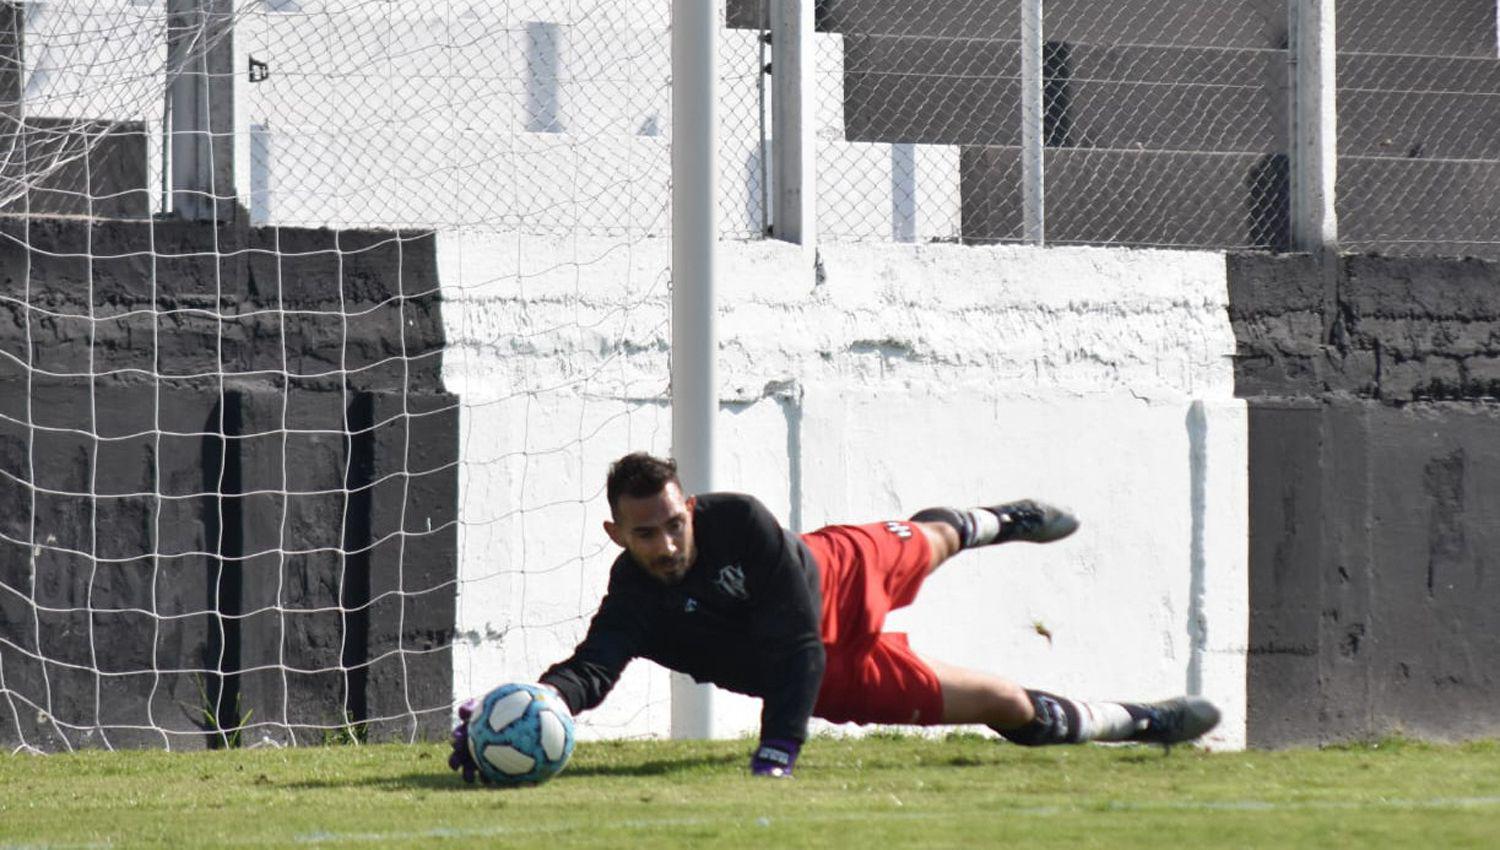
(1374, 451)
(60, 166)
(1103, 196)
(228, 484)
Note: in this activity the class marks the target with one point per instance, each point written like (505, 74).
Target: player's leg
(951, 530)
(1035, 718)
(970, 696)
(942, 540)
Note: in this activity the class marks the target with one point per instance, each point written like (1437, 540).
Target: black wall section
(228, 484)
(1374, 496)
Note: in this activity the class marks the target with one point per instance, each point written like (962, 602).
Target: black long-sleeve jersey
(745, 617)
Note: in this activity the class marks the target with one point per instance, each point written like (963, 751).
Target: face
(657, 531)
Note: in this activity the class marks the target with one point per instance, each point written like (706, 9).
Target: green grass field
(881, 792)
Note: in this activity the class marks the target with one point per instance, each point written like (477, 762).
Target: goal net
(319, 325)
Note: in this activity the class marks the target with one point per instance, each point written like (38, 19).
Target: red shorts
(872, 676)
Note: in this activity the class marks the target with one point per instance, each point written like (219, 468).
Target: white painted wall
(910, 376)
(400, 114)
(404, 114)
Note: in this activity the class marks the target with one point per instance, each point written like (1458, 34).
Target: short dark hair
(637, 475)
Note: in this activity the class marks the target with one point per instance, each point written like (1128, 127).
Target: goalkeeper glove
(461, 759)
(775, 757)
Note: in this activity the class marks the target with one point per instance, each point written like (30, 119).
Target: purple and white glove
(775, 757)
(461, 759)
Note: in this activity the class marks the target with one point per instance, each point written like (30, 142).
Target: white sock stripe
(986, 526)
(1105, 721)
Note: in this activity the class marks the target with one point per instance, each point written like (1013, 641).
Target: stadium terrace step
(936, 91)
(1230, 200)
(1419, 106)
(1096, 196)
(1260, 23)
(1434, 207)
(1435, 28)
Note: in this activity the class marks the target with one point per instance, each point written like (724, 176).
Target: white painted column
(793, 113)
(695, 234)
(1314, 125)
(262, 149)
(544, 112)
(201, 79)
(903, 192)
(1033, 112)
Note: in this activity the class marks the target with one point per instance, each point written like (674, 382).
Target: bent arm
(587, 676)
(786, 624)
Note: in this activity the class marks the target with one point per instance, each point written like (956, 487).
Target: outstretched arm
(613, 639)
(786, 623)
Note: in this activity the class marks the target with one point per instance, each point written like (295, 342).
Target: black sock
(1057, 721)
(975, 526)
(1060, 720)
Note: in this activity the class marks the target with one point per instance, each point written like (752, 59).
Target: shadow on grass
(1142, 755)
(661, 767)
(446, 780)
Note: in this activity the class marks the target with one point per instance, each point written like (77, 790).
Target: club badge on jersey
(731, 581)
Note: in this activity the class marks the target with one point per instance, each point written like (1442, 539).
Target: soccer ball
(522, 734)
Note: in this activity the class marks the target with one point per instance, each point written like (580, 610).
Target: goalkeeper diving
(712, 586)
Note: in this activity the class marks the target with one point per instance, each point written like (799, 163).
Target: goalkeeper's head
(650, 517)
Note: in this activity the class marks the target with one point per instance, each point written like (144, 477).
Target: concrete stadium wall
(1374, 515)
(1344, 425)
(228, 484)
(882, 381)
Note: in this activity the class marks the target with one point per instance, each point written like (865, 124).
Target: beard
(667, 569)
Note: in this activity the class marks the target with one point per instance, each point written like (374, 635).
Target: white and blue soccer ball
(522, 734)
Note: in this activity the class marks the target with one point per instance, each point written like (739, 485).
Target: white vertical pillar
(200, 94)
(695, 233)
(237, 83)
(262, 149)
(544, 78)
(1033, 111)
(1313, 147)
(793, 113)
(903, 192)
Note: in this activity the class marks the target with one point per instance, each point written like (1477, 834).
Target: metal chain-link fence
(1419, 127)
(548, 117)
(535, 116)
(1162, 123)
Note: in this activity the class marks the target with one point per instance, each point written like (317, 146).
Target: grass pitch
(879, 792)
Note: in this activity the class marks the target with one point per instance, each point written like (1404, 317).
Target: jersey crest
(731, 581)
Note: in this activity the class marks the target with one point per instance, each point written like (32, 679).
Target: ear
(614, 533)
(692, 503)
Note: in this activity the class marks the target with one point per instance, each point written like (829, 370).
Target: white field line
(511, 830)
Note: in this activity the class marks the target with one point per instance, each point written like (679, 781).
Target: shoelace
(1024, 520)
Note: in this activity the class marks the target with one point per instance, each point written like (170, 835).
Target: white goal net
(320, 323)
